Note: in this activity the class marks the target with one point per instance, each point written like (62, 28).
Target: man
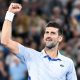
(46, 65)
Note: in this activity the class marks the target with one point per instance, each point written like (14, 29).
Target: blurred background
(28, 29)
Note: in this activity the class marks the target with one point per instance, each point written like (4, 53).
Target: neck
(51, 52)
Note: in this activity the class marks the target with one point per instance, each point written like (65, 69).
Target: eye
(53, 33)
(46, 32)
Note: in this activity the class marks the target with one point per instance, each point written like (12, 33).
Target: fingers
(14, 7)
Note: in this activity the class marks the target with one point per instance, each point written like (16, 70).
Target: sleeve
(71, 75)
(24, 53)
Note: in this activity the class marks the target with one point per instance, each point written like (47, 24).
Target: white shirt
(41, 67)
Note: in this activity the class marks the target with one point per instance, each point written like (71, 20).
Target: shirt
(41, 67)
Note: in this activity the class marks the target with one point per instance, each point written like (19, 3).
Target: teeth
(48, 40)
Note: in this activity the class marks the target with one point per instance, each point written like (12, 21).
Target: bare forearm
(6, 39)
(7, 26)
(6, 31)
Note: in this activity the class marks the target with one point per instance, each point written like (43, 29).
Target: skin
(51, 36)
(6, 39)
(52, 40)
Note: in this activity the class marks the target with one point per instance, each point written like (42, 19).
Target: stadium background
(28, 29)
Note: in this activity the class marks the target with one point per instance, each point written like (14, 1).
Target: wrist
(9, 16)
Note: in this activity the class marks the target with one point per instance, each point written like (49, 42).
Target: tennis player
(46, 65)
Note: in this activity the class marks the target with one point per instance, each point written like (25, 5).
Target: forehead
(52, 29)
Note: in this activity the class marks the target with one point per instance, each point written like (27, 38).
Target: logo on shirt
(61, 65)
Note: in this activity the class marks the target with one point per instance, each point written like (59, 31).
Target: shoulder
(27, 50)
(67, 59)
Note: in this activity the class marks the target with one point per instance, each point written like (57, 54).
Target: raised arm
(6, 39)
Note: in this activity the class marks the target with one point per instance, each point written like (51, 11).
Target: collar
(58, 58)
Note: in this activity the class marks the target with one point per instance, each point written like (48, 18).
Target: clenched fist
(14, 7)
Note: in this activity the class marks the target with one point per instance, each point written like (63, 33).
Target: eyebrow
(46, 31)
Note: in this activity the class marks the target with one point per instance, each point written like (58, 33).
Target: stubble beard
(50, 45)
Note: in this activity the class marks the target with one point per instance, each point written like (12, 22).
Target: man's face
(51, 37)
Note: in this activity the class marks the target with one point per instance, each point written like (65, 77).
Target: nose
(48, 34)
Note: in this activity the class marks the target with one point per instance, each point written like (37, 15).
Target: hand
(14, 7)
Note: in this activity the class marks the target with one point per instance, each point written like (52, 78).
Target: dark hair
(55, 25)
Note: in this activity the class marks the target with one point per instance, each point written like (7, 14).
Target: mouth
(48, 39)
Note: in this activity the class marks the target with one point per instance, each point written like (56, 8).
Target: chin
(50, 46)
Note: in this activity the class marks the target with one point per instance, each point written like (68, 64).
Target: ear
(60, 38)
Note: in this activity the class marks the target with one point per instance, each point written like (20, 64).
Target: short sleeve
(71, 75)
(24, 53)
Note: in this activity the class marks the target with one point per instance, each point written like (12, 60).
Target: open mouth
(48, 39)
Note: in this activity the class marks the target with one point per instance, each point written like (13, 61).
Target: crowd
(28, 27)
